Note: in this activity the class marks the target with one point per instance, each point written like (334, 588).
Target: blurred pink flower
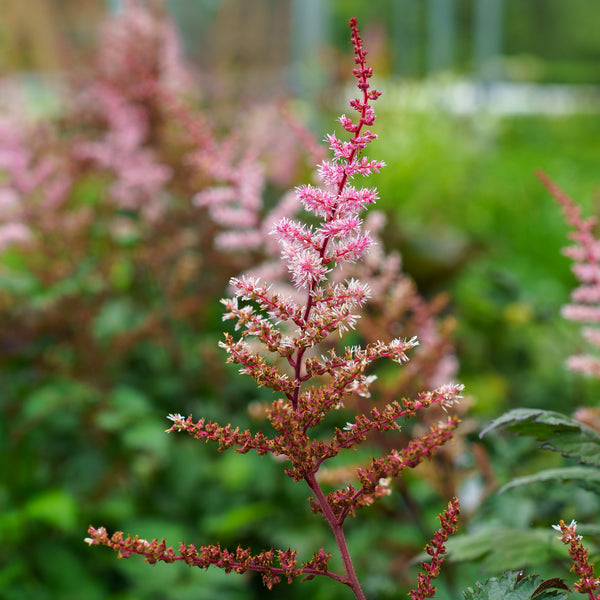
(585, 305)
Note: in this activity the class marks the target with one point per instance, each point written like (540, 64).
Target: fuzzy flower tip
(178, 422)
(311, 253)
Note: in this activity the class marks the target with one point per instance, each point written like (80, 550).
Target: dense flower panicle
(585, 305)
(139, 70)
(339, 239)
(587, 583)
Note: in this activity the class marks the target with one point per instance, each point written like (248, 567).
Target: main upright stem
(338, 531)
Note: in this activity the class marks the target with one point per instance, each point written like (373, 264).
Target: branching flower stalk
(308, 385)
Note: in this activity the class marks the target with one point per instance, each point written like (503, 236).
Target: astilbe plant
(98, 200)
(576, 437)
(309, 386)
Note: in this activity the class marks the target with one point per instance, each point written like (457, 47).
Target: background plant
(574, 437)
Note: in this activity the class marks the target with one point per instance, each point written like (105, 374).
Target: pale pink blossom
(592, 335)
(585, 305)
(581, 313)
(585, 364)
(13, 233)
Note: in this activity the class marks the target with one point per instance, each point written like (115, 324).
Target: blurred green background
(477, 96)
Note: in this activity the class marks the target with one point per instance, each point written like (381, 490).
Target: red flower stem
(351, 579)
(334, 523)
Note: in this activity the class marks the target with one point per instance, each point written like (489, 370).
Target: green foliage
(500, 547)
(512, 586)
(469, 216)
(558, 432)
(587, 478)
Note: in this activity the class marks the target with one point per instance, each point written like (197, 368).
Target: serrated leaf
(523, 419)
(586, 477)
(510, 587)
(558, 432)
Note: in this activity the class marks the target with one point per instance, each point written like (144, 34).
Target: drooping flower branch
(309, 385)
(436, 549)
(239, 561)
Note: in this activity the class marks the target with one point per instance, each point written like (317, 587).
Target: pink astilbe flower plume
(585, 299)
(307, 384)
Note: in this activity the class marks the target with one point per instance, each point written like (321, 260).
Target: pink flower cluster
(28, 179)
(139, 44)
(585, 299)
(138, 55)
(139, 63)
(139, 178)
(235, 201)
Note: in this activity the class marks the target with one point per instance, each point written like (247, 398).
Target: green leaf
(501, 548)
(147, 435)
(125, 406)
(14, 570)
(60, 396)
(116, 317)
(558, 432)
(236, 519)
(511, 587)
(586, 477)
(55, 508)
(554, 583)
